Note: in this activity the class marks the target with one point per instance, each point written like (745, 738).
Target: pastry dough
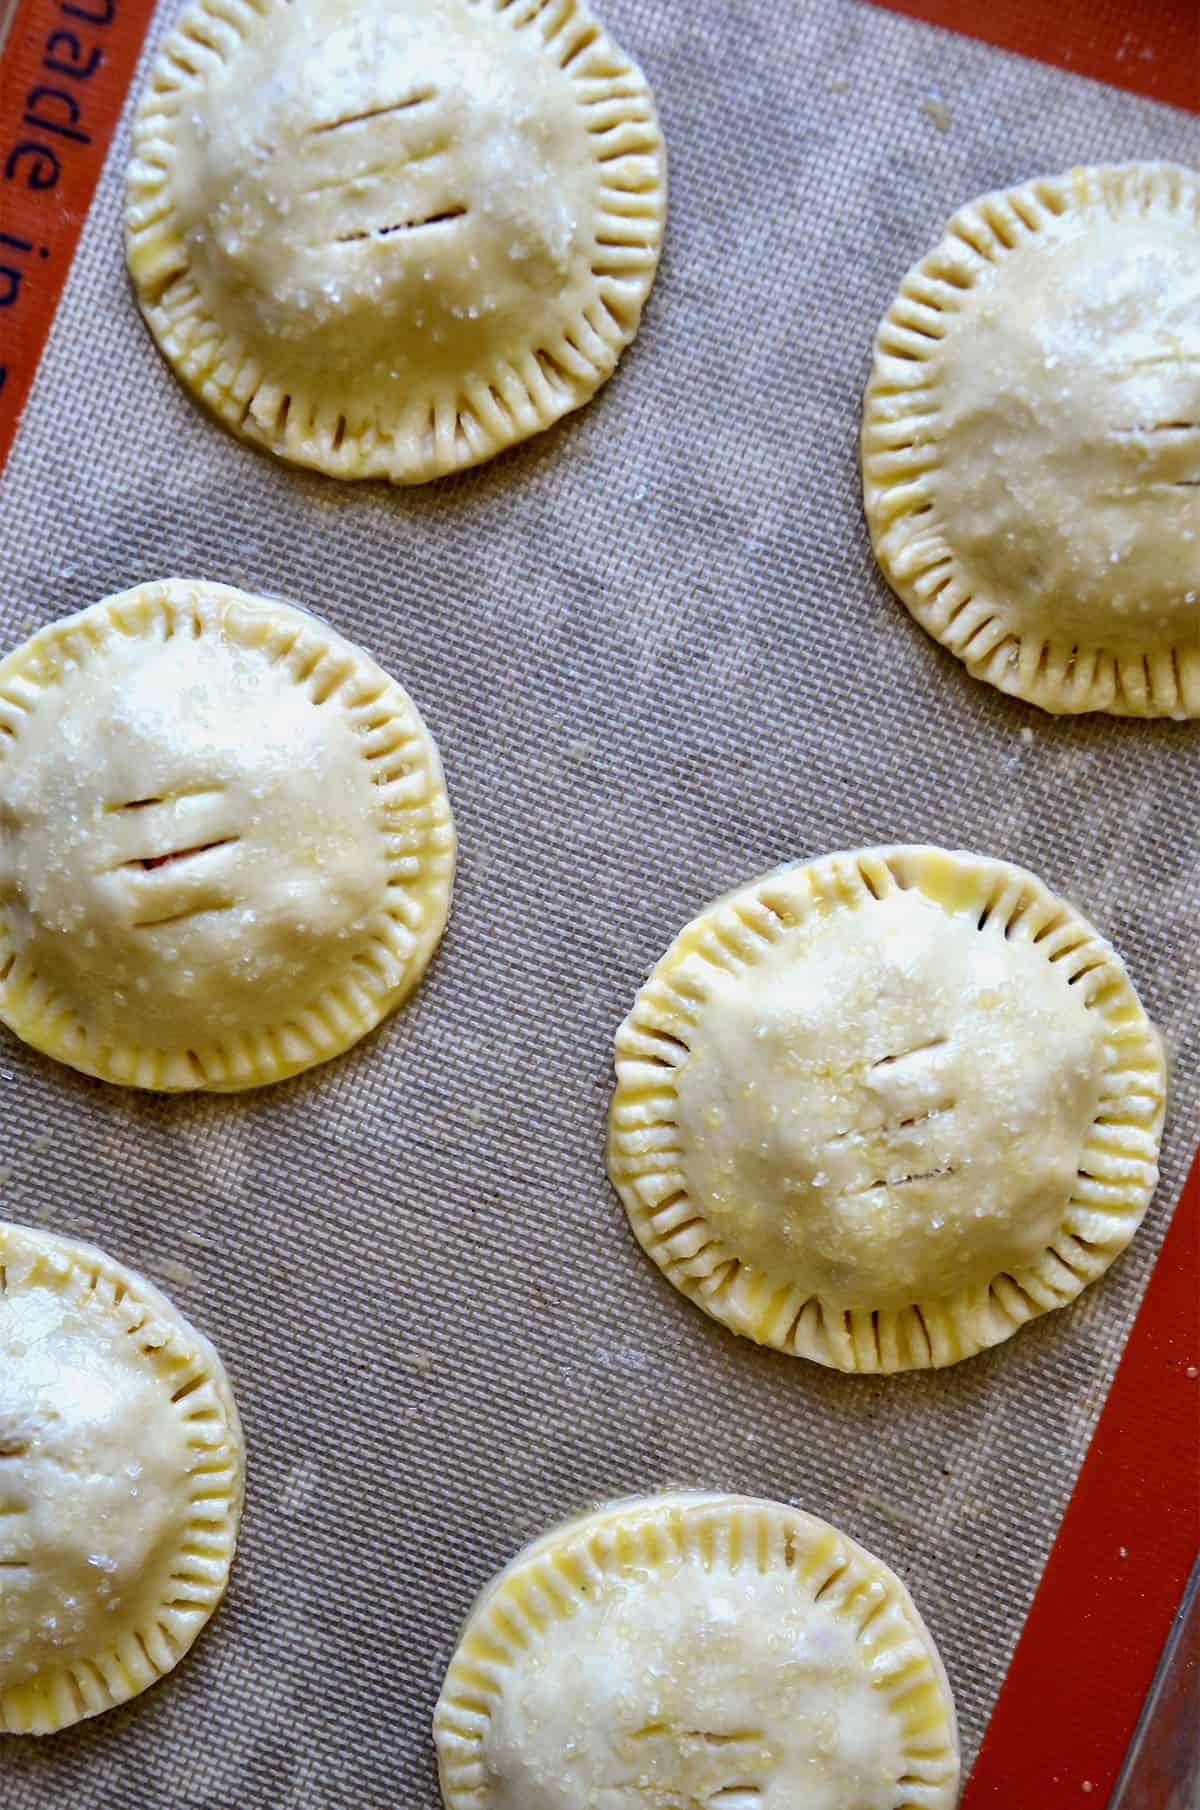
(880, 1110)
(715, 1652)
(226, 850)
(388, 238)
(120, 1482)
(1031, 441)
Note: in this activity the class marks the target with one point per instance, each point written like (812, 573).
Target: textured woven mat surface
(658, 659)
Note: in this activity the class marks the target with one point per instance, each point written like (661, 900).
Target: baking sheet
(658, 659)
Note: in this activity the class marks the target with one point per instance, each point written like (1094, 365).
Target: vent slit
(447, 214)
(418, 99)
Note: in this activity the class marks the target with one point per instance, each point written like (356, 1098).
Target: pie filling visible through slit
(120, 1482)
(882, 1109)
(710, 1651)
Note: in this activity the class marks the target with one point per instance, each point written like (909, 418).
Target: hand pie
(882, 1109)
(1031, 441)
(120, 1482)
(226, 850)
(709, 1651)
(389, 238)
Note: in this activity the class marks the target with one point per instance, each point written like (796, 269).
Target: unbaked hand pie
(881, 1109)
(226, 850)
(707, 1652)
(388, 238)
(120, 1482)
(1031, 441)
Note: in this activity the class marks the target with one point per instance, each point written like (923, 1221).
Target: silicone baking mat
(658, 659)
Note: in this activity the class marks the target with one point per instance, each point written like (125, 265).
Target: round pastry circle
(1031, 441)
(226, 850)
(120, 1482)
(389, 238)
(719, 1651)
(882, 1109)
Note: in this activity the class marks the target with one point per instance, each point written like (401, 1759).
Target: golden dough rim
(1119, 1158)
(195, 1376)
(463, 427)
(407, 930)
(920, 564)
(722, 1532)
